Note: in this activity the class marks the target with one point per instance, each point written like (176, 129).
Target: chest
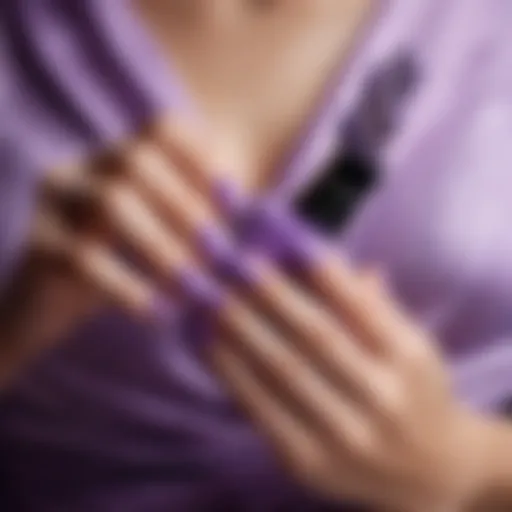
(258, 74)
(425, 119)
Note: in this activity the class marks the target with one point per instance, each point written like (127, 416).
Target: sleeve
(74, 77)
(483, 380)
(16, 205)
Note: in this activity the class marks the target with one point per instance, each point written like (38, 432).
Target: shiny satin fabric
(126, 417)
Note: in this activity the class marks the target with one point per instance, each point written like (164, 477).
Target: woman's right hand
(152, 199)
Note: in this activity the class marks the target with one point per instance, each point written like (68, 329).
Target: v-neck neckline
(317, 137)
(310, 139)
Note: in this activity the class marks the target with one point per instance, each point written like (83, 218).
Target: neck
(203, 13)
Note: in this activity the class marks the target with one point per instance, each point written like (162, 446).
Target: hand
(358, 408)
(352, 395)
(152, 197)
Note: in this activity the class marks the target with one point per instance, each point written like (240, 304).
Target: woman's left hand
(352, 395)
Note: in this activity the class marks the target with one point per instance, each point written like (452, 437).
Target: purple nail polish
(228, 199)
(289, 243)
(199, 324)
(301, 250)
(162, 309)
(199, 289)
(203, 300)
(256, 227)
(214, 246)
(240, 270)
(223, 257)
(268, 230)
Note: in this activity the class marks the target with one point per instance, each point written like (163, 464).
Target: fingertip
(199, 288)
(228, 198)
(375, 279)
(161, 309)
(178, 129)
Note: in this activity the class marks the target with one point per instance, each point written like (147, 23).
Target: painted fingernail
(214, 245)
(204, 299)
(199, 289)
(379, 277)
(228, 199)
(223, 257)
(257, 228)
(199, 325)
(270, 230)
(300, 251)
(163, 309)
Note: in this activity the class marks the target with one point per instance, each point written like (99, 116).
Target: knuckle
(309, 467)
(361, 443)
(414, 356)
(354, 437)
(141, 158)
(392, 400)
(115, 197)
(81, 253)
(314, 323)
(108, 164)
(417, 350)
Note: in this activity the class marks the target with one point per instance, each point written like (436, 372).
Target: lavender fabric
(127, 417)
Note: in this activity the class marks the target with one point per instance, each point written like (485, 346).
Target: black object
(330, 202)
(353, 172)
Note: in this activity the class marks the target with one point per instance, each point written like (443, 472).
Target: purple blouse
(125, 417)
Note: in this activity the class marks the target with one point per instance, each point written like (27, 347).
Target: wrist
(493, 488)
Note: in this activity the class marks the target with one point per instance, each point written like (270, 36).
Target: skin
(358, 408)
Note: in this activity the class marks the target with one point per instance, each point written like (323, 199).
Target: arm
(495, 494)
(37, 308)
(403, 442)
(51, 112)
(30, 289)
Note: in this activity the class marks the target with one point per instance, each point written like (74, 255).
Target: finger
(48, 234)
(368, 310)
(133, 224)
(113, 277)
(312, 456)
(342, 288)
(144, 232)
(44, 245)
(62, 178)
(189, 147)
(194, 150)
(176, 201)
(65, 189)
(294, 378)
(295, 443)
(335, 354)
(316, 332)
(189, 212)
(124, 213)
(372, 279)
(166, 185)
(95, 263)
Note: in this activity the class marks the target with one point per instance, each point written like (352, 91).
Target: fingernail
(162, 309)
(199, 324)
(257, 228)
(223, 257)
(204, 299)
(228, 198)
(199, 289)
(280, 237)
(381, 278)
(214, 245)
(301, 251)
